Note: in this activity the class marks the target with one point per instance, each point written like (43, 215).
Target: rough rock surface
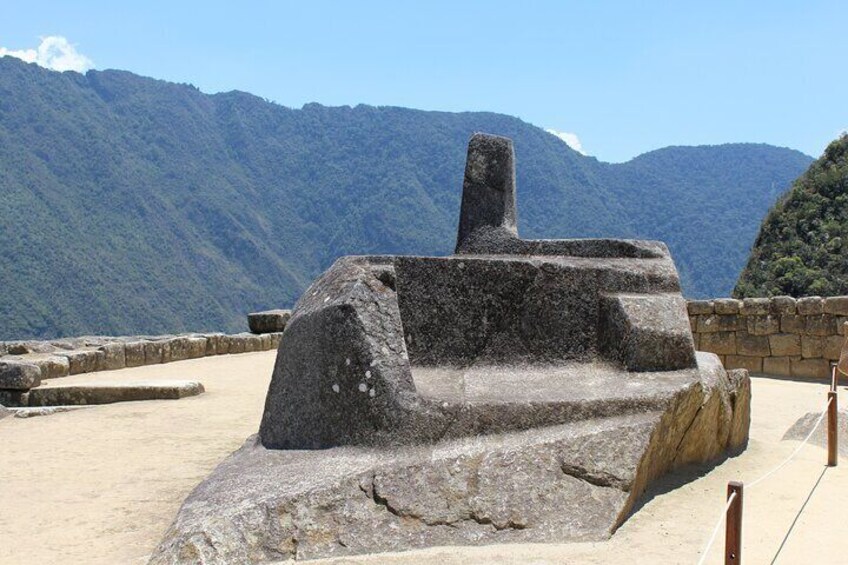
(107, 393)
(268, 321)
(516, 391)
(569, 482)
(804, 425)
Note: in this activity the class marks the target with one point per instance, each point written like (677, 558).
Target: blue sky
(624, 77)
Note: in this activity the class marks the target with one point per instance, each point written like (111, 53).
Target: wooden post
(733, 529)
(834, 377)
(832, 439)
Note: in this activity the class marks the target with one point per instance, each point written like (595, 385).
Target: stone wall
(779, 336)
(62, 357)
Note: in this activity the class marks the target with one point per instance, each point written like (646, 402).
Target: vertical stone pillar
(488, 190)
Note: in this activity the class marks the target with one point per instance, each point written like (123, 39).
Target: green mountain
(802, 246)
(135, 205)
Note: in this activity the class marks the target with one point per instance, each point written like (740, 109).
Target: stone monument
(516, 391)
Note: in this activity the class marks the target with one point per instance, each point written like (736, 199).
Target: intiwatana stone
(517, 391)
(18, 375)
(268, 321)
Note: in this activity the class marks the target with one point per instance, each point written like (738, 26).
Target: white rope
(794, 453)
(761, 479)
(721, 518)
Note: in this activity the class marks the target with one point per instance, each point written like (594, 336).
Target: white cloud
(570, 139)
(54, 53)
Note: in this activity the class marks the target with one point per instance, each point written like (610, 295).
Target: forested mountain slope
(135, 205)
(802, 247)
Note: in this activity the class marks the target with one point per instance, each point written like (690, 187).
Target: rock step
(493, 399)
(107, 393)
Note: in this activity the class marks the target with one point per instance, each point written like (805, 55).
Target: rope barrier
(794, 453)
(731, 498)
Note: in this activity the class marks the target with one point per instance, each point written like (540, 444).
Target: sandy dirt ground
(101, 485)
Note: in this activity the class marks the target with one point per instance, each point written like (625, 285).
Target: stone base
(571, 482)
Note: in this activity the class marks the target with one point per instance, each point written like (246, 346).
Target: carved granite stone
(516, 391)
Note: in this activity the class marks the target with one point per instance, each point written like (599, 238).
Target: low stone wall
(779, 336)
(62, 357)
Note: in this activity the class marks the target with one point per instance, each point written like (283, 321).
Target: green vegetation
(803, 243)
(133, 205)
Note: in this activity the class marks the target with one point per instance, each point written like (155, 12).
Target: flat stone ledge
(107, 393)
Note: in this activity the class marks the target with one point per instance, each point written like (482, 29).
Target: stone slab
(107, 393)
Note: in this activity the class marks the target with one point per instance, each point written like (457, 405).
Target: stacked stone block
(780, 335)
